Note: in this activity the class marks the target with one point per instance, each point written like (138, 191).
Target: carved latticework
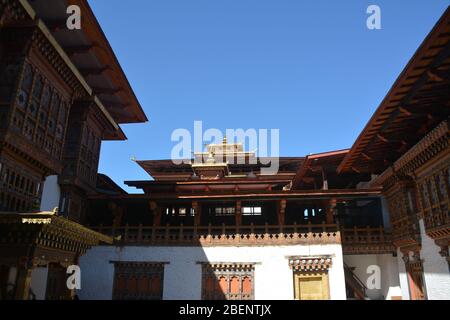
(402, 202)
(42, 238)
(138, 280)
(228, 281)
(434, 196)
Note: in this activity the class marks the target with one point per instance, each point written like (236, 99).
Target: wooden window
(228, 281)
(311, 277)
(311, 285)
(138, 280)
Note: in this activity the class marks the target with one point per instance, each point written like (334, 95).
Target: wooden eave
(416, 103)
(261, 195)
(54, 224)
(91, 52)
(319, 160)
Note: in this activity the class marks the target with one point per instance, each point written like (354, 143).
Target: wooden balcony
(366, 241)
(248, 235)
(405, 231)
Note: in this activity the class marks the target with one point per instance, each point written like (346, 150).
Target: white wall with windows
(183, 272)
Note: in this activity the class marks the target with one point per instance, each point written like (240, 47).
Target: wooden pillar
(330, 218)
(117, 212)
(238, 213)
(281, 211)
(324, 180)
(197, 213)
(157, 212)
(23, 282)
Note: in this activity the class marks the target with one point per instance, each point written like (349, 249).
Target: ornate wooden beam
(93, 71)
(111, 91)
(73, 50)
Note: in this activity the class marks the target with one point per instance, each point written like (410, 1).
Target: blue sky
(311, 68)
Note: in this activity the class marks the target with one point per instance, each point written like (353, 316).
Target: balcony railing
(354, 240)
(366, 240)
(223, 235)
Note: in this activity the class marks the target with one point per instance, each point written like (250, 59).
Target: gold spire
(224, 140)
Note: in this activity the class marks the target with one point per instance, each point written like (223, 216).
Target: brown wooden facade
(58, 101)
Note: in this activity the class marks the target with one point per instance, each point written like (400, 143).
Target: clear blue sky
(309, 68)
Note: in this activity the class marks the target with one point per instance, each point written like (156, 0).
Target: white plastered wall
(182, 274)
(50, 194)
(435, 268)
(389, 277)
(39, 282)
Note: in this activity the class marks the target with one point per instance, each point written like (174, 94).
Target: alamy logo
(263, 144)
(374, 20)
(74, 20)
(374, 278)
(74, 280)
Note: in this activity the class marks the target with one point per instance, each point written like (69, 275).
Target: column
(238, 213)
(23, 282)
(197, 213)
(281, 212)
(157, 212)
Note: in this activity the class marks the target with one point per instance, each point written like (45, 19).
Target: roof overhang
(90, 51)
(416, 103)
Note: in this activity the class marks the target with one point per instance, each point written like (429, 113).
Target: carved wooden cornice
(429, 146)
(310, 263)
(46, 230)
(227, 266)
(12, 9)
(139, 264)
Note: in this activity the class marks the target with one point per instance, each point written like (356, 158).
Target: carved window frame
(136, 280)
(218, 281)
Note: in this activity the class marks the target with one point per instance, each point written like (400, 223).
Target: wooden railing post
(180, 235)
(125, 236)
(139, 236)
(381, 231)
(153, 235)
(167, 234)
(195, 232)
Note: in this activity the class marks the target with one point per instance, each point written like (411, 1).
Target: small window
(251, 211)
(182, 212)
(224, 211)
(230, 281)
